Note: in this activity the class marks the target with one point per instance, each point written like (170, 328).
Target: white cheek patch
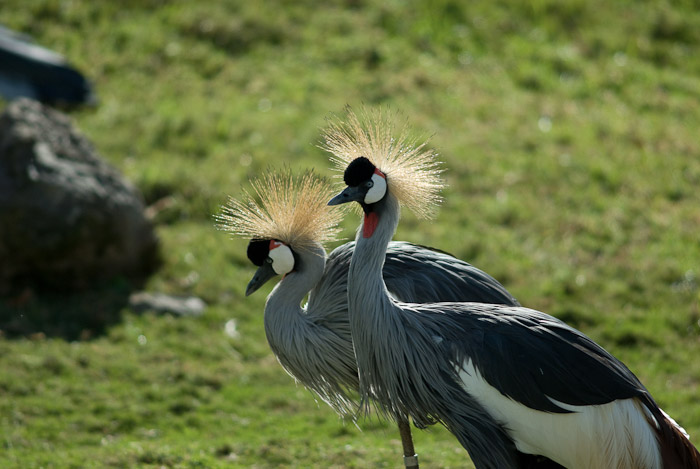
(282, 258)
(377, 191)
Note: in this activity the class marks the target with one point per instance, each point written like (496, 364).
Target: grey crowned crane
(287, 225)
(506, 381)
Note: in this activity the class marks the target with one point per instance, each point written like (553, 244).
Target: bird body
(506, 381)
(313, 342)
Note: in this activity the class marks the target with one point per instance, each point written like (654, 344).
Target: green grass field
(569, 132)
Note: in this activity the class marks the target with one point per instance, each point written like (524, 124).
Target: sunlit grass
(568, 130)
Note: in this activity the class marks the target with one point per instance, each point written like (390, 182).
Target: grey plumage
(313, 343)
(287, 222)
(287, 225)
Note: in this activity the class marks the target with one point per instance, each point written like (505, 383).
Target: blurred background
(569, 134)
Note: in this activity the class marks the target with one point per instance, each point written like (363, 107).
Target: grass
(569, 134)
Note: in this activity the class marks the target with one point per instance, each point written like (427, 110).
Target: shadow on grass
(69, 315)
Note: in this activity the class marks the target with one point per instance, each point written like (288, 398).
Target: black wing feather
(415, 273)
(532, 357)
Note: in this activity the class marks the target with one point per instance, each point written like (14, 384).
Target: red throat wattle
(370, 224)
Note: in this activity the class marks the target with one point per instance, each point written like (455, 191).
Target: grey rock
(67, 218)
(30, 70)
(162, 303)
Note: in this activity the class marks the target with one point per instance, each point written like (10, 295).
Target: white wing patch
(613, 435)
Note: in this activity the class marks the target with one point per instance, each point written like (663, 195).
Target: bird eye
(369, 184)
(268, 260)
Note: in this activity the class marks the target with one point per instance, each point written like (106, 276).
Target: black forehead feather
(258, 250)
(358, 171)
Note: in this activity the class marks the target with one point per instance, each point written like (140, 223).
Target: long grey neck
(283, 305)
(365, 281)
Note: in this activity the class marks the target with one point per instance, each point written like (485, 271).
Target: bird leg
(410, 458)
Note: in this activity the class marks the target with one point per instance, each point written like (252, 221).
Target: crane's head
(366, 184)
(285, 216)
(272, 257)
(376, 160)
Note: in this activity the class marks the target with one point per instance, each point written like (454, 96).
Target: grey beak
(262, 275)
(349, 194)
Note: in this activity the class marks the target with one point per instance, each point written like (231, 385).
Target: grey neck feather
(312, 344)
(370, 308)
(370, 253)
(283, 311)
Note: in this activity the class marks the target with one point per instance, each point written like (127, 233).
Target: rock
(162, 303)
(29, 70)
(67, 218)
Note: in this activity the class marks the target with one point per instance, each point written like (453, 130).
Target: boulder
(67, 218)
(166, 304)
(30, 70)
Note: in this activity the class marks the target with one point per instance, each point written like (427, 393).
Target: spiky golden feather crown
(292, 209)
(412, 169)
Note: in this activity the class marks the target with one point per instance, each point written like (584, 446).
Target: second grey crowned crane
(287, 225)
(506, 381)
